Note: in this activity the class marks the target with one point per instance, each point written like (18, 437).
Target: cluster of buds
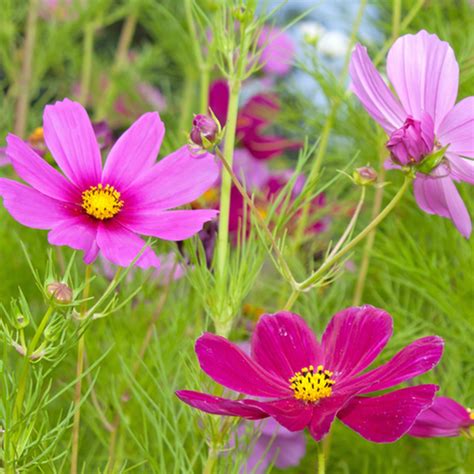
(206, 132)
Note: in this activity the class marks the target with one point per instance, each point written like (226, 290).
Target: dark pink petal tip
(387, 418)
(221, 406)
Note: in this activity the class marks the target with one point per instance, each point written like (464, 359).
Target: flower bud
(205, 131)
(410, 143)
(364, 176)
(60, 292)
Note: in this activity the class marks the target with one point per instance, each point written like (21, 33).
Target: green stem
(24, 84)
(89, 31)
(184, 124)
(209, 467)
(205, 77)
(396, 18)
(23, 382)
(330, 262)
(78, 387)
(321, 461)
(222, 239)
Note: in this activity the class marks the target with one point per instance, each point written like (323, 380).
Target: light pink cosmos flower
(307, 384)
(445, 418)
(102, 208)
(278, 51)
(423, 119)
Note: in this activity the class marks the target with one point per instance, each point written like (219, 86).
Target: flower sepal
(432, 161)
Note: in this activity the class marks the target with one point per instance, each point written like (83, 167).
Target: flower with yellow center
(101, 202)
(310, 385)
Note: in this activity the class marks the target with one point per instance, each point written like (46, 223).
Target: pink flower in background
(103, 208)
(278, 51)
(306, 384)
(423, 119)
(254, 117)
(445, 418)
(274, 444)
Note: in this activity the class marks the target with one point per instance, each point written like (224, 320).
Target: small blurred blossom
(364, 176)
(61, 10)
(278, 51)
(333, 44)
(60, 292)
(205, 132)
(311, 31)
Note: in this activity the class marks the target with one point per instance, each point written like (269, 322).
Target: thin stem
(205, 77)
(369, 244)
(23, 102)
(209, 467)
(321, 461)
(78, 387)
(329, 263)
(126, 36)
(89, 31)
(223, 236)
(396, 18)
(257, 215)
(186, 102)
(325, 134)
(136, 366)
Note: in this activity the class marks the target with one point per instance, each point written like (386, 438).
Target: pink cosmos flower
(102, 208)
(254, 117)
(307, 384)
(278, 51)
(445, 418)
(423, 119)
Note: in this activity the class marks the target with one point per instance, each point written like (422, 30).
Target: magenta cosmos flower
(306, 384)
(445, 418)
(102, 208)
(278, 51)
(257, 114)
(423, 120)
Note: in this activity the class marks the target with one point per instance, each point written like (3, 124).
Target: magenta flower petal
(415, 359)
(425, 74)
(30, 207)
(38, 173)
(69, 135)
(121, 246)
(445, 418)
(265, 147)
(221, 406)
(168, 225)
(376, 97)
(437, 194)
(283, 344)
(135, 151)
(178, 179)
(386, 418)
(228, 365)
(219, 100)
(293, 414)
(79, 233)
(354, 338)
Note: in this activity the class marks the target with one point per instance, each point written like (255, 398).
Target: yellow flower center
(310, 385)
(37, 136)
(471, 413)
(102, 202)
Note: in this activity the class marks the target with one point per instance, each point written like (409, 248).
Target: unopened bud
(60, 292)
(242, 14)
(364, 176)
(205, 132)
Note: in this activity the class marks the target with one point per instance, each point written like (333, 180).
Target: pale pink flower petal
(79, 233)
(30, 207)
(376, 97)
(135, 152)
(425, 74)
(69, 135)
(121, 246)
(168, 225)
(437, 194)
(38, 173)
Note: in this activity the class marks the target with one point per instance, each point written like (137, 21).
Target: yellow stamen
(471, 413)
(37, 136)
(310, 386)
(102, 202)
